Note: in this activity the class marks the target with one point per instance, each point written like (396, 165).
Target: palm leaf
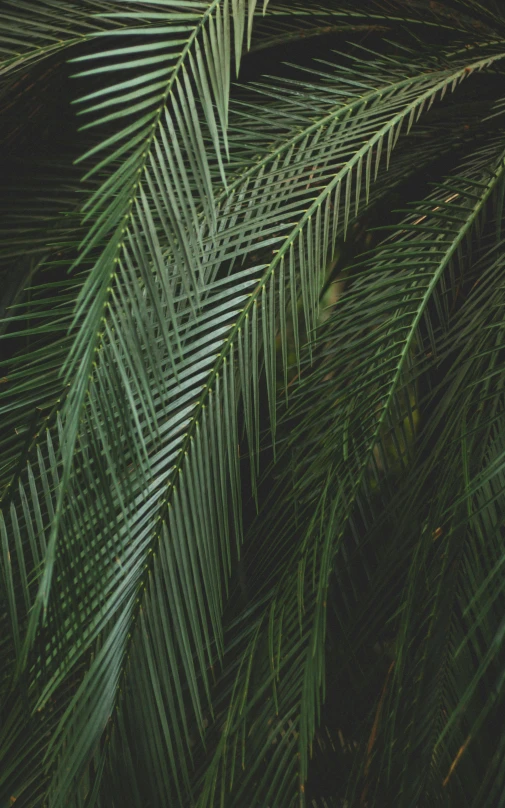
(122, 520)
(113, 216)
(458, 555)
(31, 31)
(406, 275)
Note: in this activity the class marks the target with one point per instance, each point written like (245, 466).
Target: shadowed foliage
(252, 398)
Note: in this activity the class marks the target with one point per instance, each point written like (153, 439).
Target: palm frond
(210, 231)
(122, 469)
(31, 31)
(126, 200)
(330, 454)
(458, 556)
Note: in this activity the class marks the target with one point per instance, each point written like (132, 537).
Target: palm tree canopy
(251, 458)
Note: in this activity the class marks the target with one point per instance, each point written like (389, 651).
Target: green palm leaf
(32, 31)
(337, 447)
(114, 215)
(146, 662)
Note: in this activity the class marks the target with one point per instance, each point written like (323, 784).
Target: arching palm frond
(149, 150)
(400, 301)
(31, 31)
(451, 644)
(146, 661)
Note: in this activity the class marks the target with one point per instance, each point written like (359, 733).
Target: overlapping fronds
(331, 451)
(146, 661)
(137, 179)
(30, 31)
(452, 646)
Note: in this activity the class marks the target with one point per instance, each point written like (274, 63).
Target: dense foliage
(252, 446)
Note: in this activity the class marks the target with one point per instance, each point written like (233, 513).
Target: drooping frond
(125, 508)
(31, 31)
(388, 317)
(137, 170)
(451, 647)
(213, 220)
